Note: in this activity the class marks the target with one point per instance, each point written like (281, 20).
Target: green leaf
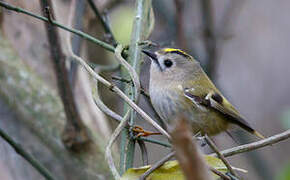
(171, 170)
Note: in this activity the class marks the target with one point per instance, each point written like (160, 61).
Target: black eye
(168, 63)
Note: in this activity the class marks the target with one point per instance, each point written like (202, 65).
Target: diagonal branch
(109, 85)
(256, 145)
(106, 26)
(113, 138)
(74, 31)
(18, 149)
(219, 154)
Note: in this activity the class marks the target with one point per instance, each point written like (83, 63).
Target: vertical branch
(76, 40)
(75, 134)
(139, 31)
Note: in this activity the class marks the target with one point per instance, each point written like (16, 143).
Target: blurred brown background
(242, 44)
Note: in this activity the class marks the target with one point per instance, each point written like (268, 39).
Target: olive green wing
(220, 104)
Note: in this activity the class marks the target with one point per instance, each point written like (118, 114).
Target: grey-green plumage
(178, 85)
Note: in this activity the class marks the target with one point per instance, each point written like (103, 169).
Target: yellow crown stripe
(172, 49)
(169, 50)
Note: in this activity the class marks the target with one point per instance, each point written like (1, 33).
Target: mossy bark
(39, 110)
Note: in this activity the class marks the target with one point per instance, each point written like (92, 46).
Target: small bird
(178, 85)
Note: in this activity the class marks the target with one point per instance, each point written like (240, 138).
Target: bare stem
(144, 152)
(18, 149)
(133, 74)
(75, 135)
(154, 142)
(113, 138)
(157, 165)
(220, 174)
(105, 109)
(256, 145)
(74, 31)
(142, 10)
(215, 149)
(106, 26)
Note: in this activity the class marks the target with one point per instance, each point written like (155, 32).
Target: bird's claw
(141, 132)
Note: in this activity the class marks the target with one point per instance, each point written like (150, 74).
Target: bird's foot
(139, 131)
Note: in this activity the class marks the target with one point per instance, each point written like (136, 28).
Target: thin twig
(133, 74)
(74, 31)
(115, 89)
(220, 174)
(142, 91)
(256, 145)
(76, 21)
(157, 165)
(142, 10)
(121, 79)
(96, 97)
(109, 85)
(105, 68)
(105, 109)
(215, 149)
(135, 80)
(144, 152)
(154, 141)
(106, 26)
(34, 163)
(108, 153)
(230, 152)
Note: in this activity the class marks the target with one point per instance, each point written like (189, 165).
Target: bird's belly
(170, 105)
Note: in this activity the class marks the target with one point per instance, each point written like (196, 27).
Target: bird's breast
(168, 102)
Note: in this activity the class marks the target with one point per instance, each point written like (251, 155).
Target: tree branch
(215, 149)
(106, 26)
(113, 138)
(74, 31)
(18, 149)
(75, 135)
(157, 165)
(256, 145)
(142, 11)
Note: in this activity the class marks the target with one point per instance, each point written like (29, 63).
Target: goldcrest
(178, 85)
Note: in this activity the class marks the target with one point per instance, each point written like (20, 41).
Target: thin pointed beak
(151, 55)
